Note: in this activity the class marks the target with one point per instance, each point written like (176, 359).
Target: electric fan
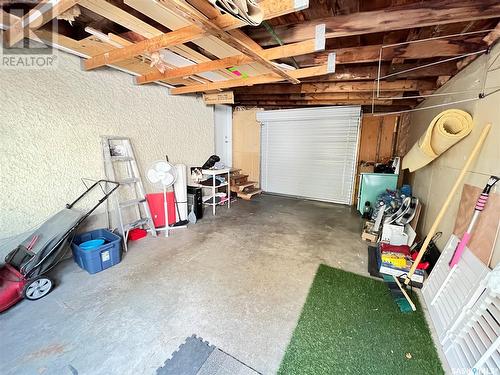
(163, 175)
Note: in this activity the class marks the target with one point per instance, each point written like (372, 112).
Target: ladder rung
(131, 202)
(121, 158)
(128, 181)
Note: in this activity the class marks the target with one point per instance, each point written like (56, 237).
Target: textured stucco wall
(51, 122)
(433, 182)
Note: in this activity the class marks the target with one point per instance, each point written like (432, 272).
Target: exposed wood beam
(238, 34)
(157, 40)
(208, 43)
(182, 9)
(349, 73)
(7, 19)
(321, 96)
(271, 9)
(120, 16)
(421, 50)
(88, 47)
(413, 34)
(489, 39)
(288, 50)
(446, 68)
(257, 103)
(353, 73)
(493, 35)
(328, 87)
(149, 45)
(205, 7)
(418, 14)
(264, 78)
(367, 109)
(130, 22)
(36, 18)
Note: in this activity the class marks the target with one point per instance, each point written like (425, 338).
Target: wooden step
(242, 186)
(245, 185)
(247, 195)
(238, 178)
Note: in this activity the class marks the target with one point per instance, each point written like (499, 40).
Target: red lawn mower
(24, 273)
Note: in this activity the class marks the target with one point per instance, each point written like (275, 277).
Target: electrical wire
(278, 40)
(481, 94)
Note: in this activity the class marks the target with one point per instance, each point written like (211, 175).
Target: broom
(446, 204)
(398, 293)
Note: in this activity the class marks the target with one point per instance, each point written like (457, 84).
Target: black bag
(210, 162)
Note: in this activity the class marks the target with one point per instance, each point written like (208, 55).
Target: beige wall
(433, 182)
(50, 124)
(246, 143)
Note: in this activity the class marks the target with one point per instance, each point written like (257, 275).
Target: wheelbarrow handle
(106, 195)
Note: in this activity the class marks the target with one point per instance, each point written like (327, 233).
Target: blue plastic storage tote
(99, 258)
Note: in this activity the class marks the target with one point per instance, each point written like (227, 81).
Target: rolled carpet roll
(446, 129)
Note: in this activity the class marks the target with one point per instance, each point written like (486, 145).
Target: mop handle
(464, 241)
(439, 217)
(480, 204)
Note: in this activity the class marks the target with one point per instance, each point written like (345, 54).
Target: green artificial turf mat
(351, 325)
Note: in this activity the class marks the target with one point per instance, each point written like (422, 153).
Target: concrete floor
(238, 280)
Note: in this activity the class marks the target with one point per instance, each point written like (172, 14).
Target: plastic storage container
(99, 258)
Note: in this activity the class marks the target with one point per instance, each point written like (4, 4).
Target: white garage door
(310, 153)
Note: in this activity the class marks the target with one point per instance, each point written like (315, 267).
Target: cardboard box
(366, 168)
(367, 234)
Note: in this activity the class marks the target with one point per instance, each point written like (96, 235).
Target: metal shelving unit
(213, 189)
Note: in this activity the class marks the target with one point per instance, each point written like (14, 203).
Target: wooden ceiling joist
(203, 42)
(315, 96)
(136, 25)
(157, 40)
(149, 45)
(36, 18)
(422, 50)
(264, 78)
(367, 109)
(120, 17)
(270, 8)
(180, 8)
(293, 103)
(86, 48)
(289, 50)
(365, 73)
(418, 14)
(343, 86)
(215, 48)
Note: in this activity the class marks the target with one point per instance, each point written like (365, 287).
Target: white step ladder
(120, 165)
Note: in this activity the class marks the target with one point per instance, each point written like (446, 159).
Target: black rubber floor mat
(198, 357)
(374, 261)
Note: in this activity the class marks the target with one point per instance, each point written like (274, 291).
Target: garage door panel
(310, 153)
